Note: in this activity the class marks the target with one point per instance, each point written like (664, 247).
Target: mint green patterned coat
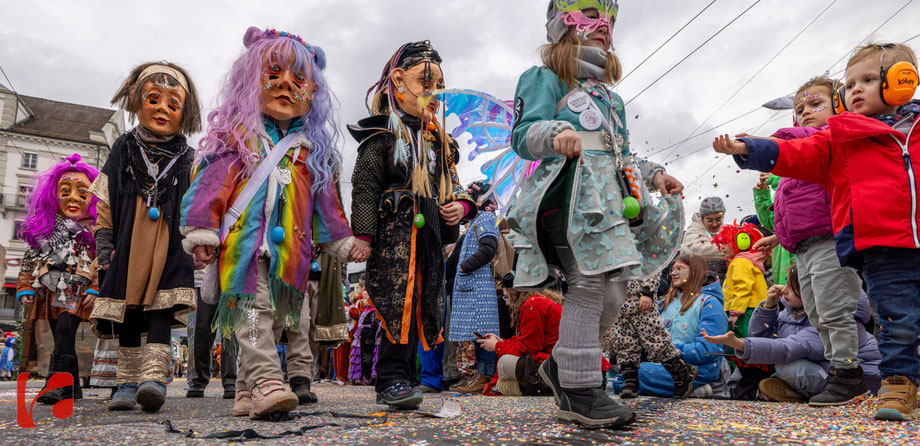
(597, 231)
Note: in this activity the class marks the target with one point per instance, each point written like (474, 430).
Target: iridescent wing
(489, 121)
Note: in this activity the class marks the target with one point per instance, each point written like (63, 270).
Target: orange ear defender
(838, 101)
(899, 83)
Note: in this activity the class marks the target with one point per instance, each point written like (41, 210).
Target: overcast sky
(81, 51)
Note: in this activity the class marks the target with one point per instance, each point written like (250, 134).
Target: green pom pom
(419, 221)
(631, 207)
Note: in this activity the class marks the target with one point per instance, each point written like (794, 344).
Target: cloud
(80, 52)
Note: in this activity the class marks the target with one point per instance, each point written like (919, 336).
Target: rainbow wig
(731, 234)
(237, 122)
(43, 202)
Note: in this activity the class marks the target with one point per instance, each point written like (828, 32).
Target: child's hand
(762, 183)
(360, 251)
(773, 295)
(666, 184)
(732, 321)
(725, 144)
(767, 243)
(567, 143)
(488, 342)
(202, 256)
(645, 303)
(728, 339)
(452, 213)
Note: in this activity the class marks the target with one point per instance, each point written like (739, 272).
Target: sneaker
(125, 397)
(476, 386)
(593, 408)
(269, 396)
(229, 392)
(425, 389)
(195, 391)
(549, 373)
(704, 391)
(301, 387)
(400, 396)
(151, 395)
(776, 389)
(897, 399)
(462, 382)
(843, 386)
(242, 404)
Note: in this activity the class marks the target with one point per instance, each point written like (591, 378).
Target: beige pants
(301, 344)
(257, 335)
(507, 382)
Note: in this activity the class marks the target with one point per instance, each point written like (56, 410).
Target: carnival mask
(414, 82)
(73, 195)
(286, 92)
(161, 109)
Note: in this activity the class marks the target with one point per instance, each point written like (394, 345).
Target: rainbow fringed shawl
(302, 214)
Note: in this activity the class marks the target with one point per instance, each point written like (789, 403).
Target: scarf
(908, 110)
(159, 155)
(592, 62)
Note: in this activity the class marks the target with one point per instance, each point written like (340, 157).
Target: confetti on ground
(484, 420)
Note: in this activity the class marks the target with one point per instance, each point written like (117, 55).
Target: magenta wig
(237, 124)
(43, 203)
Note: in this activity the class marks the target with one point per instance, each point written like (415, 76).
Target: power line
(666, 41)
(692, 52)
(709, 145)
(763, 67)
(703, 132)
(873, 32)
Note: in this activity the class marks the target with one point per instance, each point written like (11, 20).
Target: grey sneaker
(843, 386)
(125, 398)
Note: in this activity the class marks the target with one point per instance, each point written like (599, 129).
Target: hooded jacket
(698, 241)
(777, 337)
(869, 169)
(745, 286)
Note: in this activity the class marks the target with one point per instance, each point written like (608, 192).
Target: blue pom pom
(314, 266)
(277, 234)
(154, 213)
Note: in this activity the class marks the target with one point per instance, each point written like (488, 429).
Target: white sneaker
(704, 391)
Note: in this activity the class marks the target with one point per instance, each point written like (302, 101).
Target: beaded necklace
(605, 98)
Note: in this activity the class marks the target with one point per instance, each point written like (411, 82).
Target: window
(17, 224)
(29, 161)
(24, 193)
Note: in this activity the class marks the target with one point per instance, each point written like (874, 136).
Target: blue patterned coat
(474, 305)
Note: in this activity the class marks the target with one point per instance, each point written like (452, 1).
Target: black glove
(105, 244)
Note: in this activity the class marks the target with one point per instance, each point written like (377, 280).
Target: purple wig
(43, 203)
(237, 122)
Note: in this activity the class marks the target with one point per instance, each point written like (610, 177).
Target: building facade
(34, 133)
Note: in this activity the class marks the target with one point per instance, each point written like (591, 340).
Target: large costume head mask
(163, 99)
(60, 190)
(280, 75)
(562, 14)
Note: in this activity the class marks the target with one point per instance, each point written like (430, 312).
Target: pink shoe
(270, 396)
(242, 404)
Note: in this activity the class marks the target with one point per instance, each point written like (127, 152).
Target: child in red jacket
(868, 160)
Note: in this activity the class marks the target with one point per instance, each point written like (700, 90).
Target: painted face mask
(572, 15)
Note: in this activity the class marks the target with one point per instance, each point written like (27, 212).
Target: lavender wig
(43, 203)
(237, 122)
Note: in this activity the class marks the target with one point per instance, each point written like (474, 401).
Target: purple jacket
(801, 209)
(779, 338)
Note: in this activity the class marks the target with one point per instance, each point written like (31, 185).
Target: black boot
(75, 371)
(630, 372)
(683, 375)
(593, 408)
(300, 385)
(56, 364)
(843, 386)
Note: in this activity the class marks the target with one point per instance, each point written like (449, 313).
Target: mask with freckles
(73, 195)
(286, 93)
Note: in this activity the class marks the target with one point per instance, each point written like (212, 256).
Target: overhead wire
(666, 41)
(692, 52)
(760, 70)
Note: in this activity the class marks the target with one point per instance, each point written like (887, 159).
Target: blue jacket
(779, 338)
(687, 334)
